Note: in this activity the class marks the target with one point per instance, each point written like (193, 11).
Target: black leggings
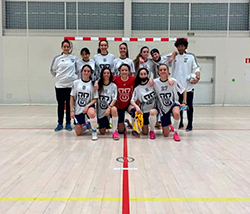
(190, 111)
(62, 96)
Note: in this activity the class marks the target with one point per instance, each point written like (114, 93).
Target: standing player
(142, 61)
(123, 59)
(85, 54)
(168, 103)
(106, 103)
(144, 94)
(63, 68)
(183, 66)
(125, 86)
(103, 59)
(157, 59)
(83, 98)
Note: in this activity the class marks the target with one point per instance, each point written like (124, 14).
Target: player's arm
(171, 58)
(196, 70)
(184, 102)
(53, 67)
(133, 103)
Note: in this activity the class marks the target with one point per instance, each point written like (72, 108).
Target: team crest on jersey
(72, 60)
(165, 97)
(104, 66)
(82, 98)
(83, 87)
(185, 60)
(124, 94)
(104, 60)
(104, 102)
(150, 98)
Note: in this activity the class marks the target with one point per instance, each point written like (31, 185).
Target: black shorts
(145, 119)
(103, 122)
(166, 118)
(80, 118)
(121, 114)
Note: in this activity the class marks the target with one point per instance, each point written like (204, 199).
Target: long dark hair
(103, 40)
(138, 78)
(124, 43)
(101, 81)
(136, 60)
(91, 70)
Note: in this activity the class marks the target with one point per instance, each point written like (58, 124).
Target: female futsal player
(144, 94)
(106, 103)
(63, 69)
(83, 98)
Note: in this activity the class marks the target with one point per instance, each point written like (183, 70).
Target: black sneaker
(181, 126)
(135, 134)
(122, 132)
(128, 124)
(189, 128)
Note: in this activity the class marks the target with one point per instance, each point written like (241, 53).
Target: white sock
(114, 123)
(152, 121)
(176, 125)
(159, 118)
(93, 122)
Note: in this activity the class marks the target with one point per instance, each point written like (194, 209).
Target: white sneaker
(94, 136)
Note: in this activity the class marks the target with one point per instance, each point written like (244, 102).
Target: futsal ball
(191, 77)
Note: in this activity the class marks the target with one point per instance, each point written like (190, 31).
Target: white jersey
(83, 93)
(166, 94)
(148, 65)
(117, 63)
(63, 68)
(102, 61)
(162, 60)
(146, 95)
(80, 63)
(182, 66)
(107, 95)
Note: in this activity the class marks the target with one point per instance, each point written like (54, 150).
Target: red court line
(125, 188)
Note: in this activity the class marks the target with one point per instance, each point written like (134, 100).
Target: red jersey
(124, 91)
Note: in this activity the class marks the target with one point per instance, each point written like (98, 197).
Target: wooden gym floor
(42, 171)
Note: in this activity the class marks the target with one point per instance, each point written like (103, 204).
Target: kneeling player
(167, 101)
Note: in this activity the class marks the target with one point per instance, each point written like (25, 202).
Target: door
(204, 90)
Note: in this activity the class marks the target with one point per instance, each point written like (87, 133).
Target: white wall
(26, 63)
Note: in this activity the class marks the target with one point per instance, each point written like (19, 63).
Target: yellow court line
(120, 199)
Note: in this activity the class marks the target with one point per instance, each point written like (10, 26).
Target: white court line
(130, 169)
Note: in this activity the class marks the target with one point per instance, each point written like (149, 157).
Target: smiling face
(144, 53)
(86, 73)
(124, 71)
(106, 74)
(85, 56)
(66, 48)
(163, 71)
(103, 47)
(155, 56)
(123, 50)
